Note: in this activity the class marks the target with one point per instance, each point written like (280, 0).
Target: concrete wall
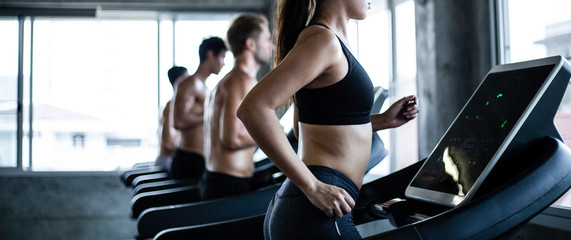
(454, 53)
(65, 206)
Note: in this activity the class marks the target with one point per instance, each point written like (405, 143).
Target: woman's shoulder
(317, 36)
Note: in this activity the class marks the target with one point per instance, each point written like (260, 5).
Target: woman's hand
(401, 112)
(333, 200)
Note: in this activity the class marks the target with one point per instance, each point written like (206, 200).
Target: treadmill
(501, 162)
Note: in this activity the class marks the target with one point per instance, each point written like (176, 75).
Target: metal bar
(20, 90)
(31, 105)
(48, 12)
(60, 8)
(502, 32)
(159, 65)
(392, 82)
(173, 40)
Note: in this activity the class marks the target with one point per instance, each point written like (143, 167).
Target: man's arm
(168, 134)
(184, 100)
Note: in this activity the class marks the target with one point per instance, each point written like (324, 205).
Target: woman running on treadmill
(333, 97)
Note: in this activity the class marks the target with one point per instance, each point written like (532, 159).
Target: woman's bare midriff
(345, 148)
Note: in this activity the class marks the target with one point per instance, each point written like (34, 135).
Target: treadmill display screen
(478, 132)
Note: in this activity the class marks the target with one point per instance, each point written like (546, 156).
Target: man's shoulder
(189, 83)
(191, 79)
(237, 79)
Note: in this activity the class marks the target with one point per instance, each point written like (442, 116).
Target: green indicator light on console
(487, 103)
(503, 124)
(499, 95)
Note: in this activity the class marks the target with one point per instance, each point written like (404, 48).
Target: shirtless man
(229, 149)
(167, 134)
(188, 110)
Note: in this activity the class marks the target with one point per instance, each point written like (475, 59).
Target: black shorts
(186, 164)
(215, 185)
(292, 216)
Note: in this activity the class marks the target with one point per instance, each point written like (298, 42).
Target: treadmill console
(485, 128)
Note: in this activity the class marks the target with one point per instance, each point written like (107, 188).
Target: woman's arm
(401, 112)
(312, 56)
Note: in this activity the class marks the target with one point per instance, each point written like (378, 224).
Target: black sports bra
(346, 102)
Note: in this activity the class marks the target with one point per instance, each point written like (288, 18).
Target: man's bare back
(231, 148)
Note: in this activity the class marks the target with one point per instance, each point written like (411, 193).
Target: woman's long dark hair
(292, 18)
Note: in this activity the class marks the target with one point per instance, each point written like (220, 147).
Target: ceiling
(154, 5)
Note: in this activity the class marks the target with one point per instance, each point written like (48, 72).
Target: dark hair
(214, 44)
(175, 72)
(243, 27)
(292, 18)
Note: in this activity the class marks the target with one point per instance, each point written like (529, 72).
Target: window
(97, 77)
(166, 61)
(78, 140)
(180, 37)
(371, 41)
(8, 92)
(189, 35)
(98, 86)
(404, 138)
(547, 33)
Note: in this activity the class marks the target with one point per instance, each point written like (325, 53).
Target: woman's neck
(333, 19)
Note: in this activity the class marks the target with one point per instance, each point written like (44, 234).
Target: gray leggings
(292, 216)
